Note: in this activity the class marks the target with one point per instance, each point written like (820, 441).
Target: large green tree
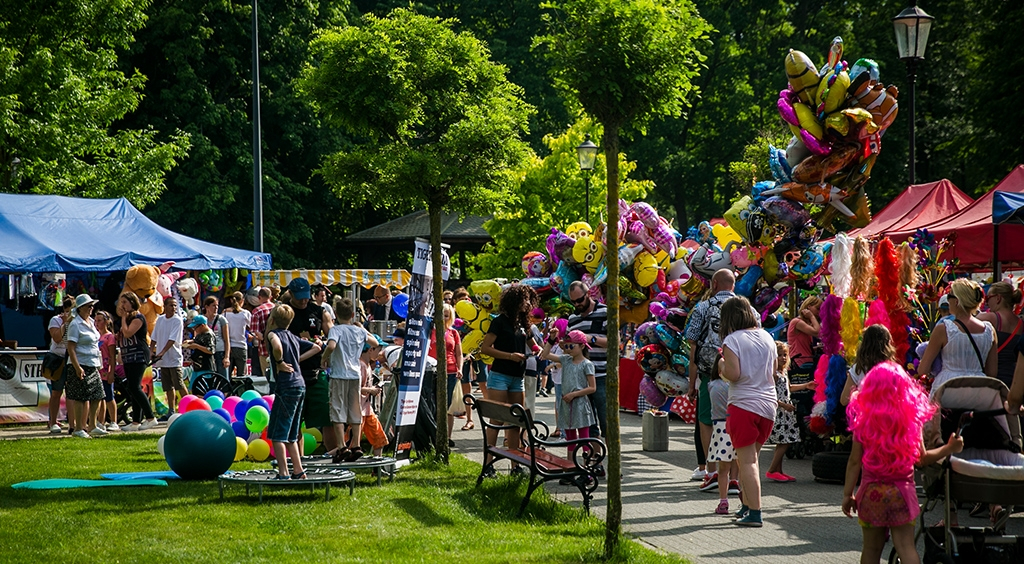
(551, 194)
(623, 63)
(198, 55)
(439, 125)
(62, 96)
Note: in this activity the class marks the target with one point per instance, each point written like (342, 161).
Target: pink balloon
(229, 404)
(269, 398)
(183, 404)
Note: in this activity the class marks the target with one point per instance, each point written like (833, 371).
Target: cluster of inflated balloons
(663, 355)
(474, 318)
(838, 114)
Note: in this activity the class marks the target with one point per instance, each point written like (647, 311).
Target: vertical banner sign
(418, 323)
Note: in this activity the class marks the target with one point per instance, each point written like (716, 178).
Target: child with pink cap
(575, 414)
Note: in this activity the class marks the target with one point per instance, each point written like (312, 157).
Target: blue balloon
(217, 393)
(240, 430)
(258, 401)
(223, 413)
(400, 303)
(240, 409)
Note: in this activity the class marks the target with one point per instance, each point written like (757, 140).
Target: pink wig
(886, 415)
(878, 315)
(831, 312)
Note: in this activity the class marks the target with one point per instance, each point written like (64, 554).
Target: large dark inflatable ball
(199, 446)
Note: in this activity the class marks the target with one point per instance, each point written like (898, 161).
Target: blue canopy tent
(61, 234)
(1007, 207)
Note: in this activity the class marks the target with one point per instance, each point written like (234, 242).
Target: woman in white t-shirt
(748, 363)
(238, 324)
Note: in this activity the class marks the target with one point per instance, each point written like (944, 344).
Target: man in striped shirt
(591, 318)
(258, 326)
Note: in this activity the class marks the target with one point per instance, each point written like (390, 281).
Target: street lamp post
(257, 138)
(912, 28)
(586, 153)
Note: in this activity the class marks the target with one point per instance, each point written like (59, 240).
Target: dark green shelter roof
(468, 234)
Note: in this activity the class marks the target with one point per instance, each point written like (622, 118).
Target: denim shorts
(286, 415)
(108, 391)
(502, 383)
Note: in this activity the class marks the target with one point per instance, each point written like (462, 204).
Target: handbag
(455, 405)
(973, 344)
(54, 364)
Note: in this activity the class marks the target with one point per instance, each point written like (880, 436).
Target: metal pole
(912, 80)
(586, 180)
(257, 157)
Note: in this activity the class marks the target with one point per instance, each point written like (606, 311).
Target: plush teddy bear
(142, 280)
(163, 283)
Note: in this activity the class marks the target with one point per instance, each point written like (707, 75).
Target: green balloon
(249, 395)
(215, 402)
(256, 419)
(308, 444)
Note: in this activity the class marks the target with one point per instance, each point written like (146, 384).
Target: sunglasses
(569, 346)
(580, 300)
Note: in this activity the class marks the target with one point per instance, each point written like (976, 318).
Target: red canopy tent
(974, 230)
(918, 205)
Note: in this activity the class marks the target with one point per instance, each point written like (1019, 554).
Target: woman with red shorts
(748, 363)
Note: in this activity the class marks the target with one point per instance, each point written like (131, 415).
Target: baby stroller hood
(989, 428)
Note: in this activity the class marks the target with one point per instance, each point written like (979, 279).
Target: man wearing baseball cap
(312, 322)
(201, 344)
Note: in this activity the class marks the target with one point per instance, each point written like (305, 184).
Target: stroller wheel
(210, 381)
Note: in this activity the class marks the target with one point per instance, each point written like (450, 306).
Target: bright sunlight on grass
(430, 513)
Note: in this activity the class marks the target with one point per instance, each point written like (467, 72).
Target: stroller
(989, 470)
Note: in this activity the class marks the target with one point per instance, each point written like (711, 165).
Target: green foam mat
(66, 483)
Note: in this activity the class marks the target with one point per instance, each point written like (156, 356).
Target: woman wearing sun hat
(84, 385)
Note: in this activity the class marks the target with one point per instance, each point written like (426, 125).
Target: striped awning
(366, 278)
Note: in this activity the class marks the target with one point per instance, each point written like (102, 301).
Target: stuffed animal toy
(163, 283)
(142, 280)
(188, 288)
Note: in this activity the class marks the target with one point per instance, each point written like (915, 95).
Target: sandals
(299, 476)
(282, 477)
(339, 455)
(353, 455)
(469, 425)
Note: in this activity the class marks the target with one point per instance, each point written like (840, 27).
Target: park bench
(581, 468)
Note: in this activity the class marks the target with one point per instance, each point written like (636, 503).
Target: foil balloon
(536, 264)
(681, 363)
(646, 214)
(781, 171)
(645, 334)
(649, 389)
(786, 212)
(578, 230)
(669, 337)
(739, 213)
(658, 310)
(678, 270)
(671, 383)
(486, 292)
(645, 269)
(652, 358)
(559, 246)
(704, 261)
(746, 283)
(693, 286)
(588, 252)
(564, 275)
(675, 318)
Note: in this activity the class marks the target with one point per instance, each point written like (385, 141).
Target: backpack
(711, 341)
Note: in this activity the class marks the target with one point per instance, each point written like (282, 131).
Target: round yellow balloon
(259, 450)
(645, 269)
(241, 448)
(316, 434)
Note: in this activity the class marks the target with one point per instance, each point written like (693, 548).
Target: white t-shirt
(556, 369)
(349, 340)
(168, 329)
(237, 324)
(754, 391)
(87, 342)
(56, 348)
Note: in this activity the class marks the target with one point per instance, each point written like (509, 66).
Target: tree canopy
(436, 123)
(62, 96)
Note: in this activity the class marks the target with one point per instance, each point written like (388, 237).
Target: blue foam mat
(66, 483)
(156, 475)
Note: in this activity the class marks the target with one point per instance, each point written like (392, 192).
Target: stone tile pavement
(662, 508)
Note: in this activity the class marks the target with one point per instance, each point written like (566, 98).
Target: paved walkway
(663, 509)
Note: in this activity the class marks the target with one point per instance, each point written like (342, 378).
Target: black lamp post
(912, 28)
(586, 152)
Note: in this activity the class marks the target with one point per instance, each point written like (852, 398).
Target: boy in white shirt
(345, 343)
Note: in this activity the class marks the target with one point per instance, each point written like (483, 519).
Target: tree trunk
(613, 520)
(441, 375)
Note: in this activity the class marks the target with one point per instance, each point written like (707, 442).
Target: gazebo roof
(468, 234)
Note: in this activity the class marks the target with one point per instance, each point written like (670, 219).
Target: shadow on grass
(422, 512)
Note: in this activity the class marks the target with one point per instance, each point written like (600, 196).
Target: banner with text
(418, 323)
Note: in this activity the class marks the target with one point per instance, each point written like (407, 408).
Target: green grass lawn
(429, 513)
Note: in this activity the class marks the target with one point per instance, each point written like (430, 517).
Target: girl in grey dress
(575, 414)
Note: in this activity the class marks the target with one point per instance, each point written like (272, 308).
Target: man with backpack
(702, 332)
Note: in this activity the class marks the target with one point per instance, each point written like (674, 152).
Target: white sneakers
(113, 427)
(148, 424)
(698, 475)
(81, 434)
(99, 431)
(131, 427)
(55, 430)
